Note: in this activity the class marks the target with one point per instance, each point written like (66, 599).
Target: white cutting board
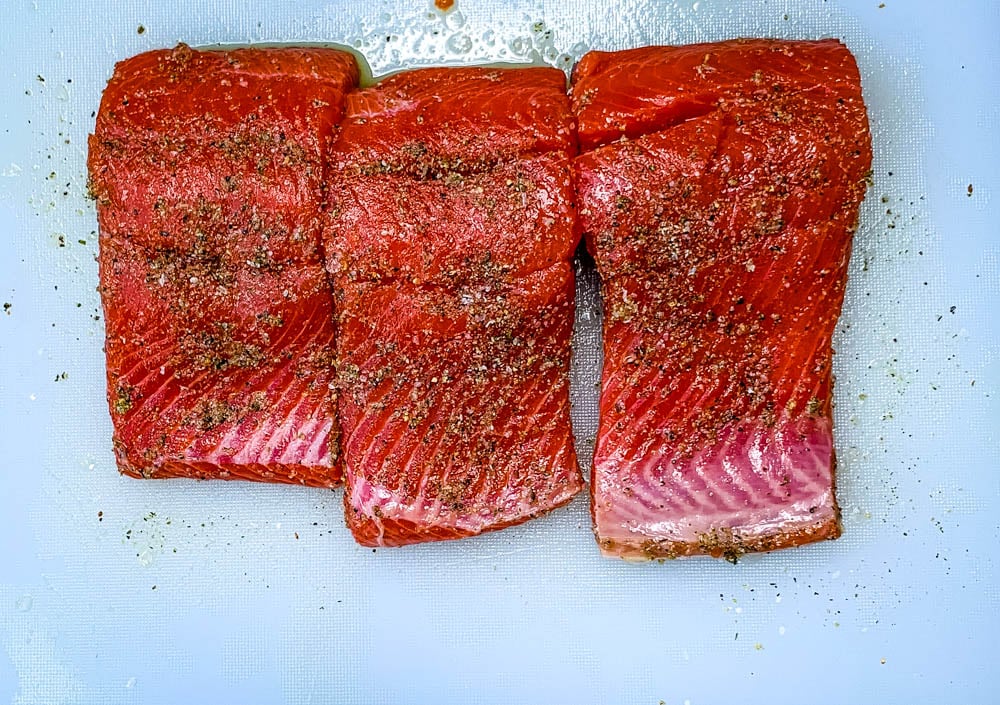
(120, 591)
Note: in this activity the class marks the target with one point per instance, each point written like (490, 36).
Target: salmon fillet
(207, 168)
(449, 243)
(718, 195)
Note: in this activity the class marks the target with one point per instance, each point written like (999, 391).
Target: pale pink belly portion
(756, 487)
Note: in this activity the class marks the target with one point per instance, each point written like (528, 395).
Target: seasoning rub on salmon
(449, 244)
(207, 167)
(718, 193)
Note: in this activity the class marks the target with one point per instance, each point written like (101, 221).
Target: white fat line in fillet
(770, 444)
(372, 425)
(617, 380)
(275, 375)
(311, 436)
(252, 382)
(640, 337)
(152, 355)
(278, 435)
(166, 381)
(461, 393)
(724, 498)
(281, 378)
(455, 393)
(755, 446)
(645, 497)
(674, 491)
(550, 391)
(281, 437)
(448, 405)
(385, 418)
(762, 301)
(640, 472)
(814, 470)
(303, 432)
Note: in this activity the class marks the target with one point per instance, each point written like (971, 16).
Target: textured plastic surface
(120, 591)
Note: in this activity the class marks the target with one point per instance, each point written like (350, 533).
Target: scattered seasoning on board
(969, 191)
(140, 30)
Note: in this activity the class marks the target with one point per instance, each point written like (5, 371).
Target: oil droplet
(145, 558)
(459, 44)
(130, 683)
(455, 19)
(520, 45)
(24, 603)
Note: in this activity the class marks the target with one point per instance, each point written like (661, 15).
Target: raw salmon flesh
(718, 195)
(449, 246)
(207, 168)
(307, 282)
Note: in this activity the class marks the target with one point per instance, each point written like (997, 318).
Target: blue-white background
(119, 591)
